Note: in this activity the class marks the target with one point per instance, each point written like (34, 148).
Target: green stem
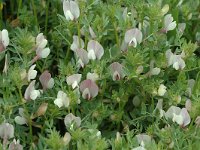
(47, 16)
(1, 17)
(116, 35)
(34, 12)
(19, 7)
(79, 33)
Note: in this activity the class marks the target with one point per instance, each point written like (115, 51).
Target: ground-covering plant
(97, 74)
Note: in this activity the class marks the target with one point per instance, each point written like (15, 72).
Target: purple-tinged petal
(83, 56)
(89, 89)
(96, 47)
(46, 80)
(74, 9)
(116, 71)
(143, 138)
(15, 145)
(186, 117)
(6, 130)
(29, 89)
(73, 80)
(76, 45)
(71, 10)
(172, 110)
(133, 35)
(92, 34)
(188, 104)
(70, 118)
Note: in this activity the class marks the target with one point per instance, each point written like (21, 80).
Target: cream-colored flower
(162, 90)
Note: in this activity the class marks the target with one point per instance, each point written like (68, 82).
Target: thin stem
(79, 33)
(34, 12)
(1, 17)
(47, 16)
(19, 7)
(116, 36)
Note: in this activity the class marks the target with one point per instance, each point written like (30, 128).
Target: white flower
(31, 93)
(76, 45)
(155, 71)
(183, 119)
(4, 39)
(165, 9)
(92, 34)
(73, 80)
(133, 36)
(71, 120)
(159, 106)
(142, 140)
(89, 89)
(169, 24)
(117, 71)
(62, 99)
(41, 43)
(180, 116)
(92, 76)
(6, 131)
(71, 10)
(162, 90)
(95, 50)
(32, 73)
(175, 60)
(21, 119)
(66, 138)
(15, 145)
(82, 57)
(139, 148)
(46, 80)
(5, 69)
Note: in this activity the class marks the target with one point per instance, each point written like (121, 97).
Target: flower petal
(76, 45)
(5, 39)
(83, 55)
(20, 120)
(186, 117)
(29, 89)
(58, 102)
(133, 33)
(92, 76)
(74, 9)
(46, 80)
(44, 53)
(116, 71)
(73, 78)
(32, 73)
(172, 110)
(96, 47)
(91, 86)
